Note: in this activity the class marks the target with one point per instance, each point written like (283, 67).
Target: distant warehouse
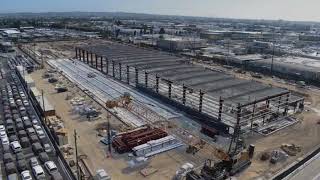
(298, 68)
(179, 44)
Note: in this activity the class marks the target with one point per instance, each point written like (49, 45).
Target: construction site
(146, 114)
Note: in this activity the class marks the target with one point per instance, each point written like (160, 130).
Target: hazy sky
(257, 9)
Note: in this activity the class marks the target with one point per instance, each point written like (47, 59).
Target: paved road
(310, 171)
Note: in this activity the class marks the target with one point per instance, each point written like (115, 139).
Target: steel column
(87, 57)
(184, 93)
(76, 53)
(83, 56)
(157, 83)
(220, 108)
(107, 64)
(91, 59)
(279, 102)
(169, 89)
(120, 72)
(287, 104)
(101, 63)
(96, 62)
(253, 111)
(146, 79)
(113, 70)
(200, 100)
(128, 75)
(137, 76)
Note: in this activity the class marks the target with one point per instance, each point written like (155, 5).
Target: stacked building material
(126, 141)
(157, 146)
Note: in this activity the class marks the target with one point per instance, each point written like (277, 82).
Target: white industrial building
(179, 43)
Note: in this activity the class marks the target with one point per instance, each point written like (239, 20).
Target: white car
(25, 118)
(37, 127)
(2, 128)
(41, 134)
(5, 141)
(34, 121)
(50, 166)
(25, 175)
(16, 147)
(3, 134)
(38, 172)
(26, 103)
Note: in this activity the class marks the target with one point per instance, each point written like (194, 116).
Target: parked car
(41, 134)
(47, 148)
(5, 141)
(50, 167)
(33, 161)
(44, 157)
(3, 134)
(15, 146)
(25, 175)
(38, 172)
(2, 128)
(13, 176)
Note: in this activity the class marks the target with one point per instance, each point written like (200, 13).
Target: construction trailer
(215, 98)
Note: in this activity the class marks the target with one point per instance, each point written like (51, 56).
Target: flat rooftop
(180, 71)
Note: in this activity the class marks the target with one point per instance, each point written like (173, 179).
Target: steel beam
(236, 84)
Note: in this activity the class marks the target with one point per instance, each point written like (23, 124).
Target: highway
(310, 170)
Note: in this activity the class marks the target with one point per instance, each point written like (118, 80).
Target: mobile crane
(231, 162)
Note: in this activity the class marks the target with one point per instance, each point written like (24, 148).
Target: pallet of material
(154, 147)
(148, 171)
(127, 141)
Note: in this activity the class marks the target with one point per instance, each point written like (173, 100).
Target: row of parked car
(22, 137)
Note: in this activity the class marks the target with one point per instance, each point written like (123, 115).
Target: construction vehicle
(52, 80)
(122, 101)
(194, 147)
(231, 162)
(61, 88)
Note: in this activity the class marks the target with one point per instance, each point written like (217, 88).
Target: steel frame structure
(227, 103)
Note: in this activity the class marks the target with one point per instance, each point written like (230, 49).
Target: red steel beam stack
(127, 141)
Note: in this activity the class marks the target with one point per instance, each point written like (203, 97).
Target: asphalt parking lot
(22, 134)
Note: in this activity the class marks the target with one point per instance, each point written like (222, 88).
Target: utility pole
(76, 147)
(43, 107)
(109, 134)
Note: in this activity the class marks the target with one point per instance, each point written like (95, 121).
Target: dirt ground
(88, 142)
(305, 134)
